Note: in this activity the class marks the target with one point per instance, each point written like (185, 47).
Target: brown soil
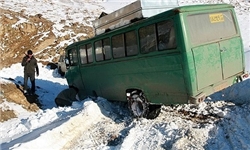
(30, 35)
(17, 39)
(13, 93)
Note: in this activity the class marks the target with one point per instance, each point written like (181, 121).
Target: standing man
(30, 64)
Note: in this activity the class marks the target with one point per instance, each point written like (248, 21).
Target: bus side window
(70, 58)
(73, 57)
(83, 55)
(89, 53)
(147, 39)
(102, 50)
(86, 54)
(98, 51)
(131, 43)
(106, 49)
(118, 46)
(166, 35)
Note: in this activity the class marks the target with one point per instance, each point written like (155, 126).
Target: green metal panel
(207, 64)
(74, 78)
(217, 61)
(216, 47)
(231, 57)
(187, 55)
(160, 77)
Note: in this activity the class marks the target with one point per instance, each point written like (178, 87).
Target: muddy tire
(138, 104)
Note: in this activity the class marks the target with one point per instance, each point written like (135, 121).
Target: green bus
(179, 56)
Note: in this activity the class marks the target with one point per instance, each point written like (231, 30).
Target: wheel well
(146, 109)
(74, 87)
(132, 90)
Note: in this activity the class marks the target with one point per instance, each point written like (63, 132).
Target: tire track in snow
(109, 130)
(62, 135)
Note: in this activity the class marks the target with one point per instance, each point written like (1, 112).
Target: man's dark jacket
(30, 66)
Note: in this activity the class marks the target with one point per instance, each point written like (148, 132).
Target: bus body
(179, 56)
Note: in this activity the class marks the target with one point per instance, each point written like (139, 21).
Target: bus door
(218, 54)
(73, 63)
(231, 57)
(73, 74)
(86, 57)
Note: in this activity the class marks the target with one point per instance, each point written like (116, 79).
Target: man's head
(30, 52)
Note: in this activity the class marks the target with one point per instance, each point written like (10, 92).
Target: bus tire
(138, 104)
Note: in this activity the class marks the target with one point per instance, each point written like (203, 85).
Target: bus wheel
(137, 104)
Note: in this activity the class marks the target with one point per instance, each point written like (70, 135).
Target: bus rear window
(209, 27)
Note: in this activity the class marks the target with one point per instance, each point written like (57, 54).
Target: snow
(221, 122)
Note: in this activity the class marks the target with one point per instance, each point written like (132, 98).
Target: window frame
(73, 57)
(126, 44)
(148, 39)
(118, 51)
(105, 53)
(88, 55)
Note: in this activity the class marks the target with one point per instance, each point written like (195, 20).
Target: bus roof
(190, 8)
(171, 12)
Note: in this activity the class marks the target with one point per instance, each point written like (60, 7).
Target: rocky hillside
(20, 31)
(46, 30)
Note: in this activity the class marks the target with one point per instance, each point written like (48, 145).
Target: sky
(101, 124)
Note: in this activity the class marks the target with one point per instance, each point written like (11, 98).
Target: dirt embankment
(20, 32)
(13, 93)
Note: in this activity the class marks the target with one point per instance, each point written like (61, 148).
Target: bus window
(207, 27)
(147, 39)
(98, 51)
(73, 57)
(166, 35)
(86, 54)
(70, 58)
(102, 50)
(89, 53)
(106, 49)
(118, 46)
(83, 55)
(131, 43)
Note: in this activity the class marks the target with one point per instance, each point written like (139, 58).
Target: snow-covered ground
(222, 122)
(101, 124)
